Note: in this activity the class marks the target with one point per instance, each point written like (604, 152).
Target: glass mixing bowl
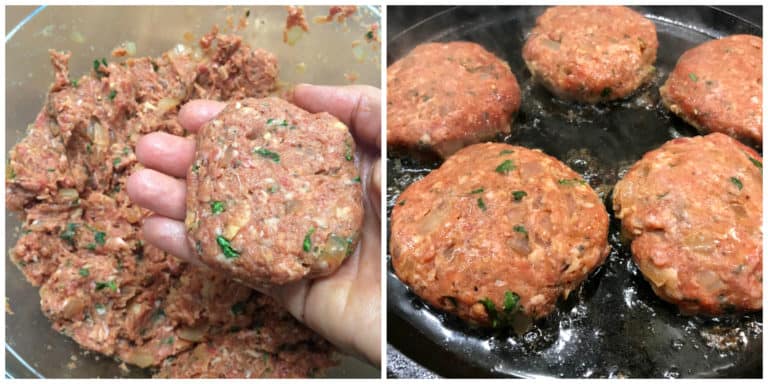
(329, 54)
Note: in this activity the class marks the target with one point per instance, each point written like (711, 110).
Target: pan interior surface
(613, 325)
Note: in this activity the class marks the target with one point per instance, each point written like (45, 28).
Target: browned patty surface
(718, 87)
(497, 230)
(591, 54)
(444, 96)
(693, 209)
(274, 194)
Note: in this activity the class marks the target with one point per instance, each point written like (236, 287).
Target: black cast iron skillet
(613, 325)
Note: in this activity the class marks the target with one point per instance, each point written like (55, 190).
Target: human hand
(343, 307)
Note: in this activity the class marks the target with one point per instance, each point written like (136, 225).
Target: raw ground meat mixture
(81, 242)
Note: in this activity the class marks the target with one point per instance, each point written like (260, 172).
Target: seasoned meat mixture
(81, 240)
(718, 87)
(497, 231)
(693, 210)
(591, 54)
(444, 96)
(274, 194)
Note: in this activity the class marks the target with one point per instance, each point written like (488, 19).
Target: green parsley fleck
(68, 234)
(307, 246)
(100, 308)
(348, 151)
(247, 13)
(106, 284)
(229, 253)
(88, 148)
(520, 229)
(273, 188)
(756, 162)
(518, 195)
(263, 152)
(169, 340)
(481, 204)
(281, 123)
(217, 207)
(116, 161)
(511, 300)
(693, 77)
(571, 182)
(91, 247)
(476, 191)
(195, 168)
(506, 152)
(737, 183)
(369, 35)
(505, 167)
(490, 309)
(356, 179)
(606, 92)
(74, 83)
(100, 237)
(84, 272)
(112, 94)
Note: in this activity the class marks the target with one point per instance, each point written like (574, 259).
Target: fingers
(170, 236)
(166, 153)
(374, 187)
(159, 193)
(357, 106)
(195, 113)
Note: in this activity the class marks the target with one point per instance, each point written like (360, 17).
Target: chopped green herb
(476, 191)
(247, 13)
(737, 183)
(88, 148)
(112, 94)
(281, 123)
(693, 77)
(51, 170)
(511, 300)
(104, 61)
(481, 203)
(756, 162)
(518, 195)
(571, 181)
(520, 229)
(106, 284)
(195, 167)
(74, 83)
(369, 35)
(307, 246)
(116, 161)
(348, 151)
(238, 308)
(506, 152)
(268, 154)
(490, 309)
(100, 237)
(91, 247)
(168, 341)
(273, 188)
(606, 92)
(96, 65)
(217, 207)
(505, 167)
(100, 308)
(229, 253)
(68, 234)
(356, 179)
(84, 272)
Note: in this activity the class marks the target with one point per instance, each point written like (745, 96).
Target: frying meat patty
(81, 239)
(693, 210)
(444, 96)
(497, 230)
(718, 87)
(274, 194)
(591, 54)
